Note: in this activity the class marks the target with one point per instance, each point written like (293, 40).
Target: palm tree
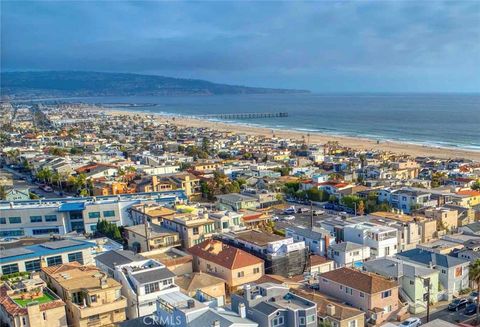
(474, 275)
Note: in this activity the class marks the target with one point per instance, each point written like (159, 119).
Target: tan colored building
(177, 261)
(234, 266)
(205, 283)
(31, 304)
(371, 293)
(333, 312)
(92, 298)
(151, 212)
(193, 228)
(148, 237)
(446, 218)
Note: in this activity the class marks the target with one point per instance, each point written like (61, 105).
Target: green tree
(476, 186)
(3, 192)
(474, 275)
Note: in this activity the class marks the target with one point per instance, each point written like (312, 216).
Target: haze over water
(445, 120)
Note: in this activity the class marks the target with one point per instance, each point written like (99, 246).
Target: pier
(246, 115)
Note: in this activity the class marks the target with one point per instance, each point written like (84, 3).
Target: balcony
(86, 311)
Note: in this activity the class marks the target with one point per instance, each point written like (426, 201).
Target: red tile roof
(366, 282)
(224, 255)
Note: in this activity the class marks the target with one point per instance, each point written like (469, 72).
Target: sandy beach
(315, 138)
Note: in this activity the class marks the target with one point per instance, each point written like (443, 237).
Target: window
(33, 265)
(76, 256)
(44, 231)
(14, 220)
(195, 230)
(93, 298)
(24, 321)
(44, 316)
(302, 321)
(412, 282)
(386, 294)
(7, 233)
(278, 321)
(50, 218)
(444, 271)
(109, 213)
(348, 290)
(35, 219)
(152, 287)
(256, 270)
(240, 274)
(361, 294)
(118, 294)
(388, 308)
(53, 261)
(310, 319)
(94, 318)
(3, 221)
(94, 215)
(352, 323)
(10, 269)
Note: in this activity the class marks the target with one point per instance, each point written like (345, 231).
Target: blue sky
(330, 46)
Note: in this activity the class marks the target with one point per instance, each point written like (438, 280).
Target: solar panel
(59, 244)
(14, 252)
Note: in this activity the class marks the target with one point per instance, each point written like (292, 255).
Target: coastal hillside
(80, 83)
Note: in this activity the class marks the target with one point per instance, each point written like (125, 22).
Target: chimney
(103, 281)
(247, 290)
(216, 323)
(190, 304)
(242, 311)
(330, 309)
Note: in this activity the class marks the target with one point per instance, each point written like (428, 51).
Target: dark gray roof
(118, 257)
(153, 275)
(320, 233)
(266, 308)
(427, 257)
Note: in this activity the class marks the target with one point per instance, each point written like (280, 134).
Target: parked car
(289, 211)
(302, 210)
(411, 322)
(473, 296)
(275, 218)
(46, 188)
(289, 218)
(471, 309)
(318, 212)
(457, 304)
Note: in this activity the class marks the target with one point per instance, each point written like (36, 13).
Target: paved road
(21, 181)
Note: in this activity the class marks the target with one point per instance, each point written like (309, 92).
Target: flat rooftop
(258, 237)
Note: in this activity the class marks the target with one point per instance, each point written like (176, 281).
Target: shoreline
(359, 143)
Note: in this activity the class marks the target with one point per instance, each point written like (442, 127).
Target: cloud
(258, 43)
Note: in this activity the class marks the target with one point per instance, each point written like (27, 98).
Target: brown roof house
(233, 265)
(207, 285)
(374, 294)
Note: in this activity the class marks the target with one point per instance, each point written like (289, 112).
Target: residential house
(413, 280)
(377, 296)
(206, 283)
(348, 254)
(147, 237)
(382, 240)
(317, 240)
(272, 305)
(92, 298)
(453, 274)
(193, 228)
(282, 255)
(236, 202)
(30, 303)
(234, 266)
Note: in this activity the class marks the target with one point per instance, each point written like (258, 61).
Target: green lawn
(45, 298)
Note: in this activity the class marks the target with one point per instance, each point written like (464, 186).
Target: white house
(382, 240)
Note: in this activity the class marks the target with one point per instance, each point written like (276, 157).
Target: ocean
(442, 120)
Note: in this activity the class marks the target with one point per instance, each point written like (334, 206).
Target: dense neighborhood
(114, 218)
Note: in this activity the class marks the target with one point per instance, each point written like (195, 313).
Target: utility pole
(426, 296)
(311, 214)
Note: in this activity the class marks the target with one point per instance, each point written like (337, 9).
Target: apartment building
(234, 266)
(405, 199)
(148, 237)
(40, 218)
(142, 282)
(282, 255)
(375, 295)
(92, 298)
(193, 228)
(34, 257)
(446, 218)
(382, 240)
(30, 303)
(226, 221)
(236, 202)
(272, 305)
